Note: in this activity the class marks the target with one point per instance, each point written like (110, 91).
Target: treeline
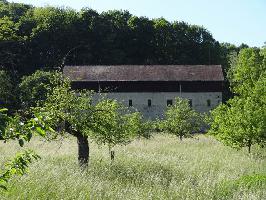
(34, 38)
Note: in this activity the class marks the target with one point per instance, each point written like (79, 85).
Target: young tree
(117, 126)
(242, 121)
(236, 128)
(181, 120)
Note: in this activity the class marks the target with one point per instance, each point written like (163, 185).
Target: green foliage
(51, 18)
(246, 70)
(113, 125)
(65, 106)
(3, 122)
(16, 166)
(241, 122)
(13, 10)
(14, 128)
(107, 122)
(248, 182)
(5, 86)
(35, 88)
(8, 29)
(256, 180)
(17, 128)
(8, 90)
(181, 120)
(147, 128)
(23, 130)
(112, 37)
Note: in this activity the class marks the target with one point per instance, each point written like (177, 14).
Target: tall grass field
(159, 168)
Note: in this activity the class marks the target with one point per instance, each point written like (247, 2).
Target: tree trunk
(112, 154)
(249, 146)
(181, 137)
(83, 150)
(83, 144)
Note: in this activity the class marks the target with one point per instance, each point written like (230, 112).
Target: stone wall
(200, 101)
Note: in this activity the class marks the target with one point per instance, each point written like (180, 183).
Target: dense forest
(34, 38)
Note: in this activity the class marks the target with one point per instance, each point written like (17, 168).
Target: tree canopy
(47, 34)
(241, 122)
(181, 120)
(35, 88)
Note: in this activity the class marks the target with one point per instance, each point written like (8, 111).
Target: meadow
(162, 167)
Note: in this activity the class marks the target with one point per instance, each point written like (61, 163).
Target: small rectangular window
(190, 102)
(149, 102)
(169, 102)
(130, 103)
(208, 102)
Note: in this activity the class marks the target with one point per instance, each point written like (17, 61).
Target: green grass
(159, 168)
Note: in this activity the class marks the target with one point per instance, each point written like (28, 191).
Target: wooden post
(112, 155)
(180, 89)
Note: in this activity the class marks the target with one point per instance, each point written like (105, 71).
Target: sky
(233, 21)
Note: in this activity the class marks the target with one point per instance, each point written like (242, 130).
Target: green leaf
(40, 131)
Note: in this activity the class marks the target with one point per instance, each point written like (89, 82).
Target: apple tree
(181, 120)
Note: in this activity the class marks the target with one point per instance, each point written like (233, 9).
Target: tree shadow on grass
(137, 173)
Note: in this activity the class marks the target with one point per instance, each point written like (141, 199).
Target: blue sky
(234, 21)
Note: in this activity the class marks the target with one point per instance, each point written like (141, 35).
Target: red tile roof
(145, 73)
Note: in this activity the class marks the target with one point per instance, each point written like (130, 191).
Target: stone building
(151, 88)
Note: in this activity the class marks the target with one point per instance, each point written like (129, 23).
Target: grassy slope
(160, 168)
